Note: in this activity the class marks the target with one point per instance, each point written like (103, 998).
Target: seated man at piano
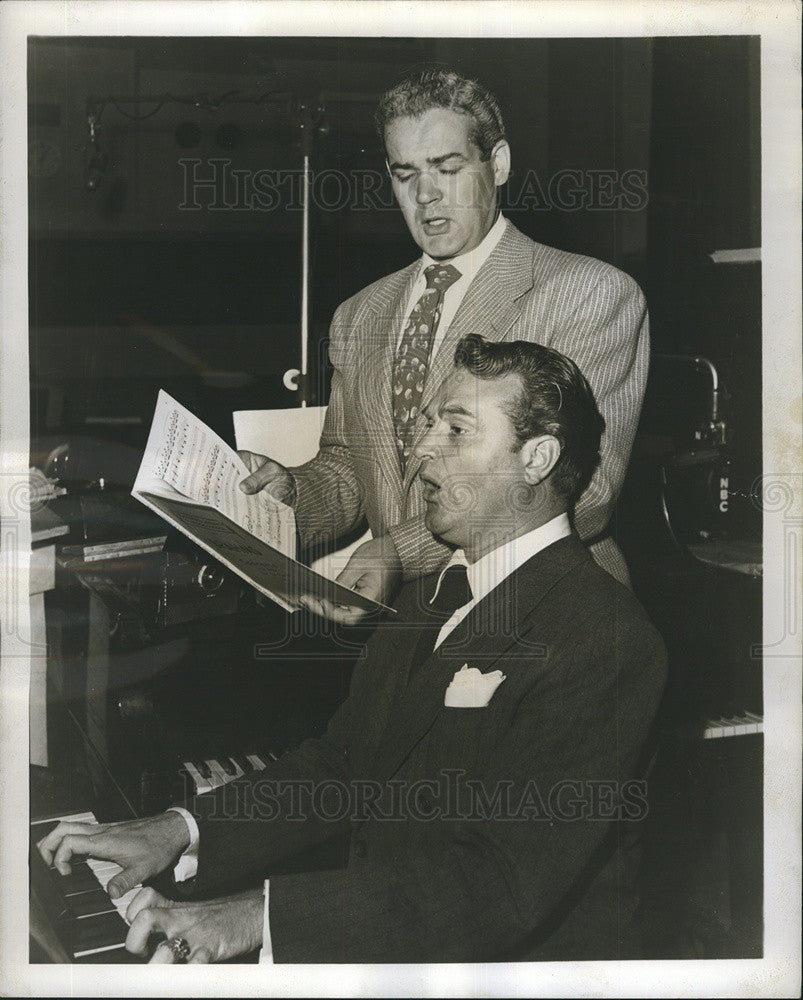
(485, 774)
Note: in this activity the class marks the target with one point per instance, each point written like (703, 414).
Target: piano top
(739, 556)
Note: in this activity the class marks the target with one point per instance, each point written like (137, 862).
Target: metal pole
(305, 278)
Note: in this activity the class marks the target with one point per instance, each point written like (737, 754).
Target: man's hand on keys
(214, 930)
(142, 847)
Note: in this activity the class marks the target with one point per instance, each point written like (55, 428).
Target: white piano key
(99, 863)
(256, 762)
(724, 727)
(97, 951)
(121, 904)
(104, 871)
(756, 722)
(86, 817)
(219, 776)
(228, 768)
(202, 785)
(237, 768)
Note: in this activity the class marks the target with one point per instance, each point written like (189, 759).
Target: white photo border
(778, 24)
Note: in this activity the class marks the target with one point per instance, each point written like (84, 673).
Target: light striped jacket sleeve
(607, 336)
(330, 499)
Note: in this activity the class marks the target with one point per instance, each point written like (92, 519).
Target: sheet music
(189, 457)
(190, 477)
(273, 573)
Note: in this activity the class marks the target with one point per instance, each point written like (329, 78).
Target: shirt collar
(469, 263)
(490, 570)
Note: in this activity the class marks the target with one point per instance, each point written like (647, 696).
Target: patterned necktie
(453, 593)
(412, 357)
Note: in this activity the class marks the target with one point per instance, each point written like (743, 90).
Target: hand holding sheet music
(202, 467)
(190, 477)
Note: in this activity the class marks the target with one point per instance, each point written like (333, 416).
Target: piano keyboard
(740, 725)
(89, 921)
(89, 924)
(209, 774)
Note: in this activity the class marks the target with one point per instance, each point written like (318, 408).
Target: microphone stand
(309, 122)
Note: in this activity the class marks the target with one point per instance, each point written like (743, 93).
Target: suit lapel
(490, 307)
(482, 639)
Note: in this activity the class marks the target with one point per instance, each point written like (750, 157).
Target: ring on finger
(180, 949)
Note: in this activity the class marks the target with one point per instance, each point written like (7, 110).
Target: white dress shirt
(467, 264)
(492, 568)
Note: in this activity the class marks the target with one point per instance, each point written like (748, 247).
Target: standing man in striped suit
(392, 344)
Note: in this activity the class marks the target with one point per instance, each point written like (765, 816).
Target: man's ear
(539, 455)
(500, 160)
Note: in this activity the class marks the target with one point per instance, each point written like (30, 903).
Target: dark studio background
(129, 293)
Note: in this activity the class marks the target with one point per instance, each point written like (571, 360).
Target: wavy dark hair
(555, 399)
(437, 87)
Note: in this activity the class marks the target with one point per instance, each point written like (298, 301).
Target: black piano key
(81, 879)
(203, 768)
(86, 904)
(243, 763)
(98, 931)
(186, 784)
(40, 830)
(227, 767)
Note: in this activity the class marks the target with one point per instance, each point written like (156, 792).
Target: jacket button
(360, 848)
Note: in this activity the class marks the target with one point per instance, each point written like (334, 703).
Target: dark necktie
(454, 592)
(413, 355)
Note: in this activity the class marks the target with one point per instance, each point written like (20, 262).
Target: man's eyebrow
(456, 409)
(433, 160)
(449, 409)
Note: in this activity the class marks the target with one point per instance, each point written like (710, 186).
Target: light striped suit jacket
(582, 307)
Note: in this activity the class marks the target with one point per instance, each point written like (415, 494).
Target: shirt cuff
(266, 955)
(187, 865)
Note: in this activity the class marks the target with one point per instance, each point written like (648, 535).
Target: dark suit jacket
(579, 306)
(444, 879)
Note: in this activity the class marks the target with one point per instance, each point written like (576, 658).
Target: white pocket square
(472, 689)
